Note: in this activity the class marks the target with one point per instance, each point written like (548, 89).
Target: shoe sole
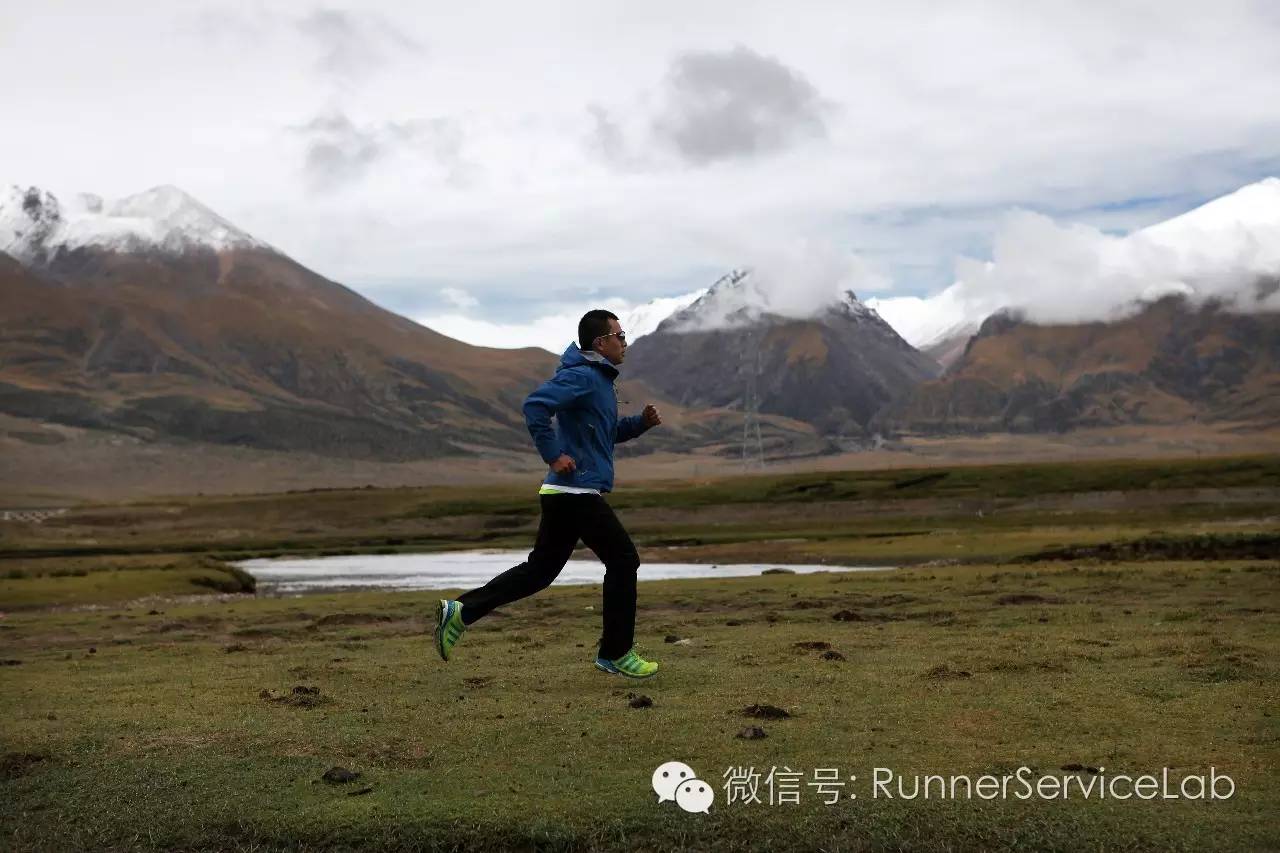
(442, 614)
(625, 674)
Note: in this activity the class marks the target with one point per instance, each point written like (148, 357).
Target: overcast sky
(498, 167)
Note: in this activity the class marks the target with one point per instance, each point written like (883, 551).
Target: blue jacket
(584, 403)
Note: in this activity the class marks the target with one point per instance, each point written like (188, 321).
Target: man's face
(613, 345)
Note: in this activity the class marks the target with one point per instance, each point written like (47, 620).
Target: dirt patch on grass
(194, 623)
(279, 632)
(1027, 598)
(944, 672)
(339, 776)
(352, 619)
(1211, 668)
(1028, 666)
(1205, 547)
(765, 712)
(15, 764)
(301, 696)
(891, 600)
(935, 616)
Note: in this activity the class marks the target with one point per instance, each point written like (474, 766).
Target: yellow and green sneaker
(449, 626)
(631, 665)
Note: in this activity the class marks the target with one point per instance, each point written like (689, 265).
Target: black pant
(567, 518)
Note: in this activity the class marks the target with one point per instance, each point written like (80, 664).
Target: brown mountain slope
(834, 371)
(246, 347)
(1168, 364)
(249, 348)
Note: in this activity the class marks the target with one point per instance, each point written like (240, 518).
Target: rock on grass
(751, 733)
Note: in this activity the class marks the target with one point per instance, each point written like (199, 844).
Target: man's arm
(556, 394)
(634, 426)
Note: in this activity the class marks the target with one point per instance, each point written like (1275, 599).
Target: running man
(579, 449)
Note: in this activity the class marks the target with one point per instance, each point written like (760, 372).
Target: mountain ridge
(833, 370)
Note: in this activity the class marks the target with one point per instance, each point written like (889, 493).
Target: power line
(751, 403)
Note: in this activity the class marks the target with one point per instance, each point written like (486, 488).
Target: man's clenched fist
(652, 417)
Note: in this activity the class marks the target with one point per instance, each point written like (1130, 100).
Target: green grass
(978, 513)
(160, 739)
(989, 482)
(89, 582)
(141, 711)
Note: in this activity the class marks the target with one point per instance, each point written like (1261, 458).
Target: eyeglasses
(621, 336)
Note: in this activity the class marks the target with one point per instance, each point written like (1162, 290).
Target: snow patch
(34, 225)
(746, 297)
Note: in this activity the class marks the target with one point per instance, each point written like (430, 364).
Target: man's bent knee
(543, 571)
(625, 564)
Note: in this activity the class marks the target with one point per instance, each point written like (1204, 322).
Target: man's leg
(558, 532)
(604, 534)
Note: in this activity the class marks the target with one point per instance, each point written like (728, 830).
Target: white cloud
(459, 298)
(1072, 273)
(722, 105)
(552, 332)
(922, 321)
(939, 119)
(643, 319)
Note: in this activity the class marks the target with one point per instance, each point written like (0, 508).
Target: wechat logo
(677, 781)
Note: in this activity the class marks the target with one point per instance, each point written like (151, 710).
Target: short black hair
(592, 325)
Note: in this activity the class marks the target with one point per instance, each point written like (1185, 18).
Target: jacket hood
(575, 356)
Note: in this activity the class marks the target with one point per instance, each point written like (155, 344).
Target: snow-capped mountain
(153, 316)
(744, 298)
(35, 225)
(834, 368)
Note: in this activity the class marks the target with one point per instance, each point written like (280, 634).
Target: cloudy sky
(492, 169)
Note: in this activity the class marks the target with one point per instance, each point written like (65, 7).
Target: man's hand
(564, 465)
(652, 417)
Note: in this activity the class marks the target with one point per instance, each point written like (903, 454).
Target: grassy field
(148, 705)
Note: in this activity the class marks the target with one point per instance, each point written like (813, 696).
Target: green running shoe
(631, 665)
(449, 626)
